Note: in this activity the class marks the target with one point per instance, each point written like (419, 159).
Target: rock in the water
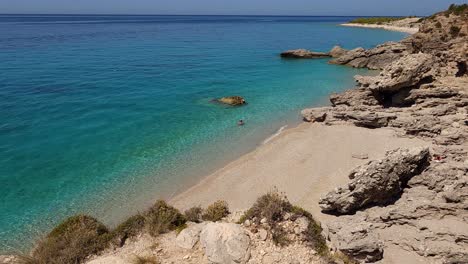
(232, 100)
(225, 243)
(303, 54)
(337, 51)
(188, 237)
(377, 182)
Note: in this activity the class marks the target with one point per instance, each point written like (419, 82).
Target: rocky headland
(413, 199)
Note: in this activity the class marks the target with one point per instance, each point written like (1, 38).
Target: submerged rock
(232, 100)
(303, 54)
(378, 182)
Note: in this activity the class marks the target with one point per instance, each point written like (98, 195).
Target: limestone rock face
(405, 72)
(303, 54)
(232, 100)
(225, 243)
(357, 242)
(377, 182)
(188, 237)
(376, 58)
(315, 114)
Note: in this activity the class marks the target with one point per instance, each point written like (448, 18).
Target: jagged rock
(337, 51)
(405, 72)
(377, 182)
(354, 97)
(225, 243)
(188, 237)
(355, 240)
(303, 54)
(376, 58)
(365, 119)
(315, 114)
(349, 56)
(232, 100)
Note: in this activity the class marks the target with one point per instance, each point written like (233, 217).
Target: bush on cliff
(72, 241)
(273, 207)
(161, 218)
(216, 211)
(194, 214)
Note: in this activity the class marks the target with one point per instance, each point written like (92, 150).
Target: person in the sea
(240, 122)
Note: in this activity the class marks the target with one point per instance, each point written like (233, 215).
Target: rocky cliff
(416, 200)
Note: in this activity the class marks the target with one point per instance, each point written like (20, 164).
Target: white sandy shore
(303, 162)
(410, 30)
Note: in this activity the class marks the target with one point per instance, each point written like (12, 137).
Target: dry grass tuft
(162, 218)
(71, 242)
(216, 211)
(194, 214)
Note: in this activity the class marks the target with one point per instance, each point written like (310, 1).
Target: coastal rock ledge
(303, 54)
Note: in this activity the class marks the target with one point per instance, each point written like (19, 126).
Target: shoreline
(408, 30)
(303, 162)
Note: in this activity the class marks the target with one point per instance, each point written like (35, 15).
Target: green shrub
(454, 30)
(457, 9)
(129, 228)
(216, 211)
(271, 206)
(280, 237)
(375, 20)
(193, 214)
(438, 25)
(72, 241)
(162, 218)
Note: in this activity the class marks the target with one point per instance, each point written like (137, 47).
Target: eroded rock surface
(421, 92)
(225, 243)
(378, 182)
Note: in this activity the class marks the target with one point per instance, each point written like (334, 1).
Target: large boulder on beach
(225, 243)
(188, 237)
(378, 182)
(303, 54)
(232, 100)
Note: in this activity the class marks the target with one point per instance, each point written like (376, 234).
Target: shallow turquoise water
(102, 114)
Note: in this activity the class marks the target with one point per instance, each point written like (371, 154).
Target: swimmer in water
(240, 122)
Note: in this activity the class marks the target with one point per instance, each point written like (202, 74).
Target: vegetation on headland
(457, 9)
(81, 236)
(375, 20)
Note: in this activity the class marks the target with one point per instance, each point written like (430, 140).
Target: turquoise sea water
(103, 114)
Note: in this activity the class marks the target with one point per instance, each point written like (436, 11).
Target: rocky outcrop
(232, 100)
(375, 58)
(337, 51)
(303, 54)
(190, 236)
(404, 72)
(225, 243)
(377, 182)
(422, 91)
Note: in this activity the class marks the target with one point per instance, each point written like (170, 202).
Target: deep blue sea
(104, 114)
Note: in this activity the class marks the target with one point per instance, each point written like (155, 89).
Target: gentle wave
(276, 134)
